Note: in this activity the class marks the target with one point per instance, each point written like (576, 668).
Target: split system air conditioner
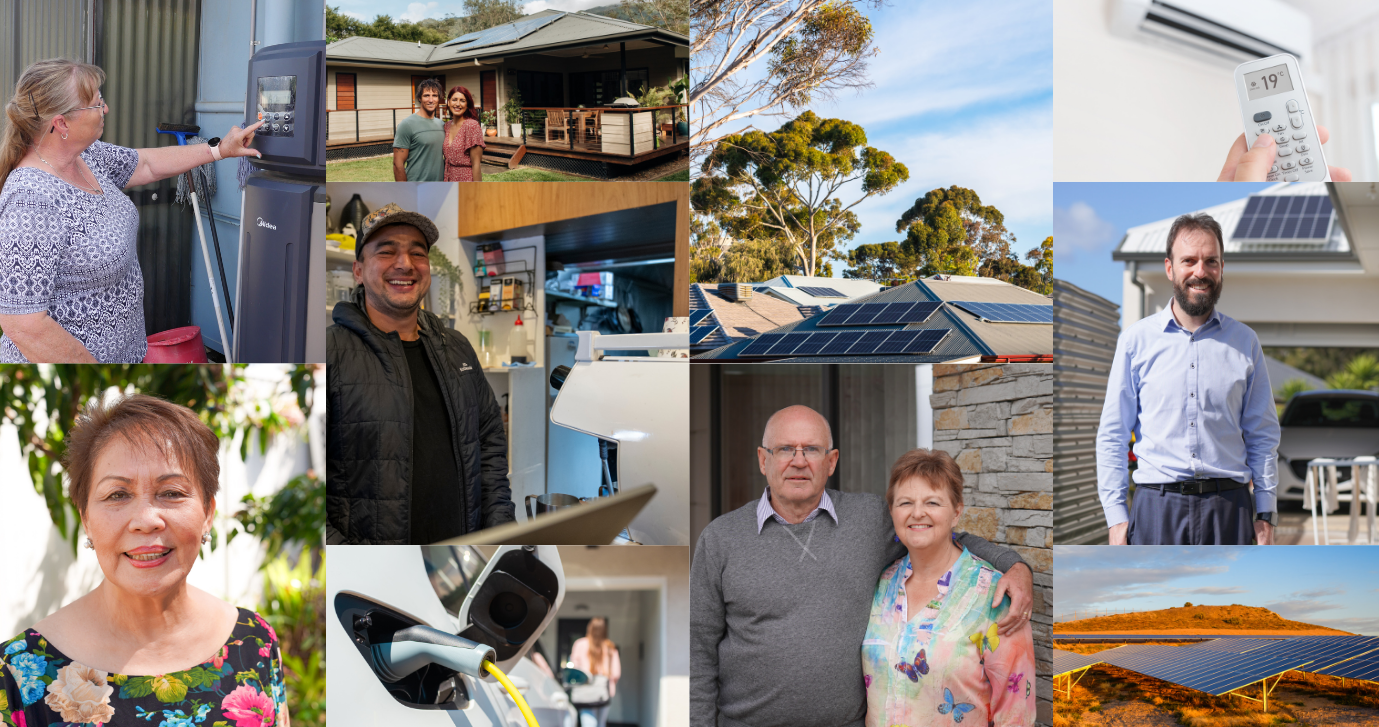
(1233, 30)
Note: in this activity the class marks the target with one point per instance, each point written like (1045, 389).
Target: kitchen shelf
(559, 296)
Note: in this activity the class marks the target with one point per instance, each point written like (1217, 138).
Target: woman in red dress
(464, 138)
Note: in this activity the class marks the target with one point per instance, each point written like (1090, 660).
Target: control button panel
(277, 103)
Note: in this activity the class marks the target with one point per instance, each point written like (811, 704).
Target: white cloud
(570, 6)
(1080, 228)
(357, 15)
(418, 11)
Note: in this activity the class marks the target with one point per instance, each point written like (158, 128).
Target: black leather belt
(1197, 487)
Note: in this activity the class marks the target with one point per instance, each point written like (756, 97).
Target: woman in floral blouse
(932, 655)
(144, 648)
(464, 138)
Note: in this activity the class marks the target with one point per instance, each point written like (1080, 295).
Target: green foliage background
(42, 402)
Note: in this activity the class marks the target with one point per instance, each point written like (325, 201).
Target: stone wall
(997, 422)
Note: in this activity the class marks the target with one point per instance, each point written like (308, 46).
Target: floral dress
(240, 686)
(946, 665)
(458, 165)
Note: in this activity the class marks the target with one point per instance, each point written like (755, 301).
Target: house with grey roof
(941, 319)
(567, 67)
(1301, 264)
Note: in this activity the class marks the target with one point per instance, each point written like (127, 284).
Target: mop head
(205, 178)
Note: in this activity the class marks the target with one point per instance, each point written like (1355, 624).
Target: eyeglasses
(100, 105)
(811, 453)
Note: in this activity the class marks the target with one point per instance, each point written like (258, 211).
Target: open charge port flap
(430, 687)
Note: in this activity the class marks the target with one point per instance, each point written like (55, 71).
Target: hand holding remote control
(1273, 102)
(1253, 165)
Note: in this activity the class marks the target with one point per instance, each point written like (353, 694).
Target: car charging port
(385, 638)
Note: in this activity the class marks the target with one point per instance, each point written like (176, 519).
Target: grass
(1104, 684)
(380, 169)
(680, 176)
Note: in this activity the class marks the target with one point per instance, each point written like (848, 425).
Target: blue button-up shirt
(1199, 404)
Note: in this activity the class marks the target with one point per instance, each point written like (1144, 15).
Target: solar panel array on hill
(1066, 661)
(1217, 672)
(1365, 666)
(1234, 646)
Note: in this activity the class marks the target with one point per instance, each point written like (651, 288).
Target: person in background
(596, 655)
(144, 473)
(464, 138)
(71, 290)
(417, 155)
(415, 448)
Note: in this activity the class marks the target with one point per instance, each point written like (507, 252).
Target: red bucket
(179, 345)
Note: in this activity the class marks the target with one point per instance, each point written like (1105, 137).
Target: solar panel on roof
(762, 344)
(1275, 218)
(822, 292)
(815, 343)
(840, 343)
(697, 316)
(920, 313)
(787, 345)
(891, 313)
(897, 342)
(927, 340)
(699, 333)
(506, 33)
(1006, 312)
(863, 315)
(838, 316)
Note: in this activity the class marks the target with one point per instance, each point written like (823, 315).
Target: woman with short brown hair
(143, 475)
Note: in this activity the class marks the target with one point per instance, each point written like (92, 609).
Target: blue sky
(1089, 220)
(414, 11)
(962, 94)
(1333, 586)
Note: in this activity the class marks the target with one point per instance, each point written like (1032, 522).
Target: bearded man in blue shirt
(1191, 386)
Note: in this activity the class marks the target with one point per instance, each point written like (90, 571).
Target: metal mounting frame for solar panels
(880, 313)
(699, 333)
(1073, 666)
(502, 34)
(697, 316)
(997, 313)
(820, 292)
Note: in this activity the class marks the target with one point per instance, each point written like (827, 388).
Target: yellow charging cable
(512, 691)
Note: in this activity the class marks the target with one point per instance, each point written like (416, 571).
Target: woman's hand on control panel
(236, 142)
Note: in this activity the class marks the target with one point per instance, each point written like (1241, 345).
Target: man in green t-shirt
(417, 154)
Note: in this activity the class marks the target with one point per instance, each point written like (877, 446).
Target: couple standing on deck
(427, 148)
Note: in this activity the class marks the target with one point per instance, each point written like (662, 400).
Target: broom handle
(210, 277)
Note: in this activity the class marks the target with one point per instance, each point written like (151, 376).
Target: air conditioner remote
(1274, 101)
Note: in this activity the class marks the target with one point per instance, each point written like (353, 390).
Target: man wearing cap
(415, 446)
(1190, 383)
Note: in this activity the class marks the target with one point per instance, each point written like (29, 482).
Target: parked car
(1325, 423)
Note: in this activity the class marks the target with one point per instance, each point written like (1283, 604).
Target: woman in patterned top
(70, 285)
(464, 138)
(144, 648)
(932, 653)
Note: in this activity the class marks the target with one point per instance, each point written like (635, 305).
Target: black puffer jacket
(369, 429)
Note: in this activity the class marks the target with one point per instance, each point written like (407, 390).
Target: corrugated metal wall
(37, 29)
(148, 49)
(1085, 328)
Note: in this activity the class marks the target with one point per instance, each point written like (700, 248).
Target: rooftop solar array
(1279, 218)
(846, 343)
(506, 33)
(1066, 661)
(699, 333)
(822, 292)
(1365, 666)
(879, 314)
(697, 316)
(1006, 312)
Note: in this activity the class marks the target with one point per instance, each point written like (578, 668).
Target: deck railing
(629, 130)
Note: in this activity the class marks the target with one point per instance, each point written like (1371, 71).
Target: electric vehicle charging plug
(416, 646)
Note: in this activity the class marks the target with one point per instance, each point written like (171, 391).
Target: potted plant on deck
(681, 88)
(512, 111)
(489, 120)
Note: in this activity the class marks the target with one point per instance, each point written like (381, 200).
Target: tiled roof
(741, 320)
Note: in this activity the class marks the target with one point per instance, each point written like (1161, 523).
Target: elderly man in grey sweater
(781, 590)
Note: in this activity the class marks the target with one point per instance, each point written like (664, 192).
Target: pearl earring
(90, 545)
(205, 538)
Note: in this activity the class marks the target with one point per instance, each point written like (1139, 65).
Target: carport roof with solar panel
(890, 327)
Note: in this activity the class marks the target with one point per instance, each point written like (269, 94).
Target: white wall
(1130, 111)
(41, 575)
(1349, 61)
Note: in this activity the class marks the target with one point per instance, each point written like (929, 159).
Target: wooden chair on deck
(557, 122)
(592, 128)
